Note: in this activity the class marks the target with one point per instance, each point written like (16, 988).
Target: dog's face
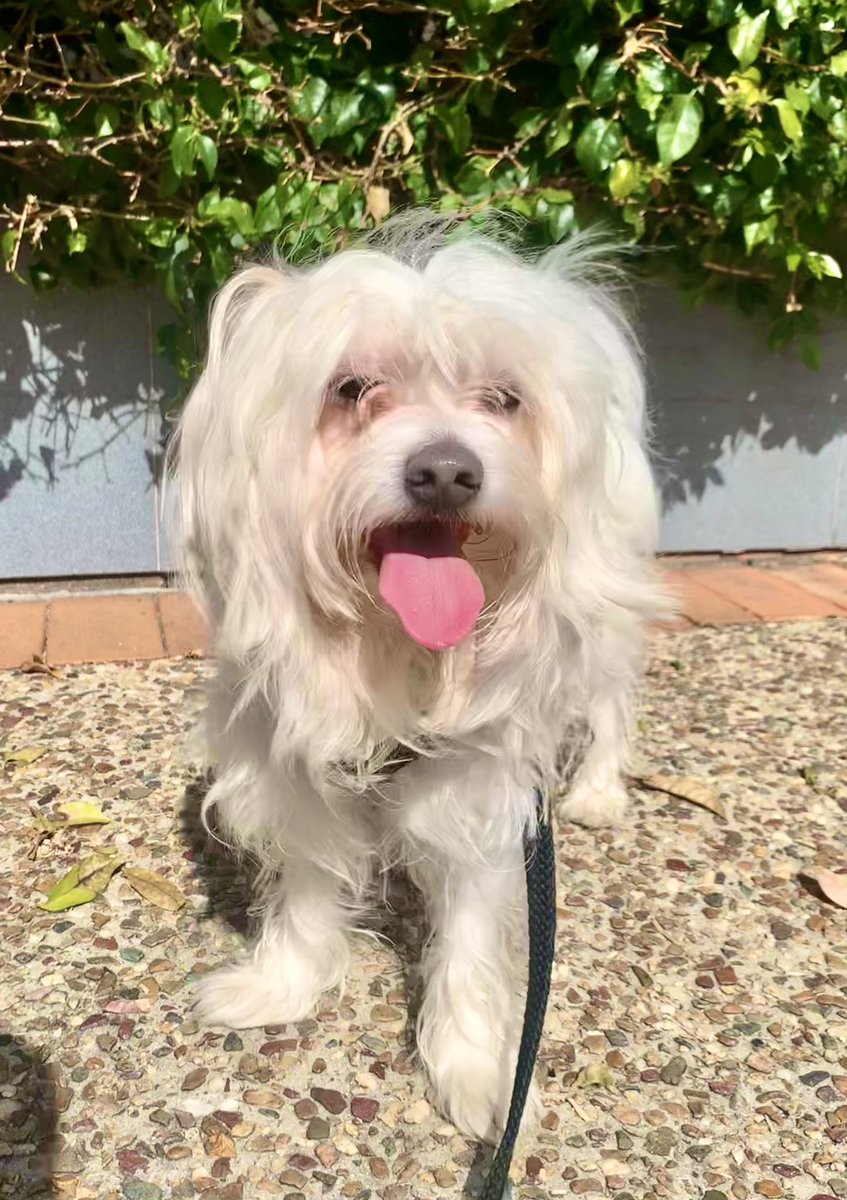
(433, 476)
(414, 437)
(425, 462)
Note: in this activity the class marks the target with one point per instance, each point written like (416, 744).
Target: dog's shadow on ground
(229, 881)
(29, 1119)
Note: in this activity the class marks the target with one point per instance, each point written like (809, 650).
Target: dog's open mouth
(426, 579)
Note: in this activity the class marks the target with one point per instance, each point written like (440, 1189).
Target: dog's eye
(352, 388)
(501, 397)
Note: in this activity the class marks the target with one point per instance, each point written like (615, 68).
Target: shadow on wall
(29, 1105)
(750, 447)
(81, 430)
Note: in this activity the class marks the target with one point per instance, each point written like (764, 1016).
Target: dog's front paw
(595, 802)
(474, 1086)
(246, 995)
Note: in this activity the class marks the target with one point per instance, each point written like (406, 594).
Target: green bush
(175, 138)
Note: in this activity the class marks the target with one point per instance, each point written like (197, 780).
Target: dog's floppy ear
(236, 301)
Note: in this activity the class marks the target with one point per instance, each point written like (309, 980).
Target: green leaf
(756, 232)
(823, 265)
(207, 152)
(84, 882)
(220, 22)
(457, 125)
(8, 243)
(258, 77)
(308, 102)
(838, 64)
(785, 11)
(679, 127)
(720, 12)
(268, 216)
(624, 178)
(559, 131)
(584, 56)
(791, 124)
(599, 144)
(228, 211)
(107, 120)
(747, 36)
(798, 97)
(184, 149)
(147, 47)
(77, 241)
(71, 898)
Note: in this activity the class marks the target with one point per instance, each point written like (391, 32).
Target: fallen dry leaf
(84, 882)
(833, 886)
(43, 828)
(81, 812)
(24, 756)
(378, 203)
(154, 889)
(595, 1075)
(684, 788)
(38, 665)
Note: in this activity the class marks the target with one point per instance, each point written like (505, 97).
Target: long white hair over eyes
(275, 512)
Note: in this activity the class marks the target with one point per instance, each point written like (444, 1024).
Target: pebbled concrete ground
(697, 962)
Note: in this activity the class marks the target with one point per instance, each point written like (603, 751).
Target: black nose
(443, 475)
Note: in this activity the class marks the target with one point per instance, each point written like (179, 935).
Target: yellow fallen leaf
(84, 882)
(81, 812)
(71, 898)
(595, 1075)
(833, 886)
(684, 788)
(24, 756)
(154, 888)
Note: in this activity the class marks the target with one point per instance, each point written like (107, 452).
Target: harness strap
(540, 866)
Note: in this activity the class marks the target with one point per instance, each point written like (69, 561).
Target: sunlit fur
(282, 485)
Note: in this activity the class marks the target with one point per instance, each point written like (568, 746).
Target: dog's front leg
(319, 864)
(300, 952)
(461, 829)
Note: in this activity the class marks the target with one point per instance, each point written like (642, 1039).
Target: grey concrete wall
(82, 394)
(751, 448)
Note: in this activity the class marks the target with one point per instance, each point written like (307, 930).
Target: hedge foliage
(173, 138)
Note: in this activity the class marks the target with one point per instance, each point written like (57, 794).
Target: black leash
(540, 866)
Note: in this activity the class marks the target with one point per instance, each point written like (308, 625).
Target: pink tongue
(433, 589)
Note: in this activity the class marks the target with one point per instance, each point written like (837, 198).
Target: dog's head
(410, 425)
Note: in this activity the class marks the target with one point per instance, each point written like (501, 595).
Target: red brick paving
(103, 629)
(768, 595)
(183, 628)
(21, 632)
(712, 590)
(701, 605)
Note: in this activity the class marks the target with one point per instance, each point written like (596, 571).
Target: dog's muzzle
(443, 476)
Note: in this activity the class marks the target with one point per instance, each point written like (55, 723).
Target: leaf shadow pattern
(722, 403)
(29, 1118)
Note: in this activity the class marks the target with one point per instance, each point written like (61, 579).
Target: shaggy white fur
(319, 386)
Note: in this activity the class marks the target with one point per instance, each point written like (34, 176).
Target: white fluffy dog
(419, 512)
